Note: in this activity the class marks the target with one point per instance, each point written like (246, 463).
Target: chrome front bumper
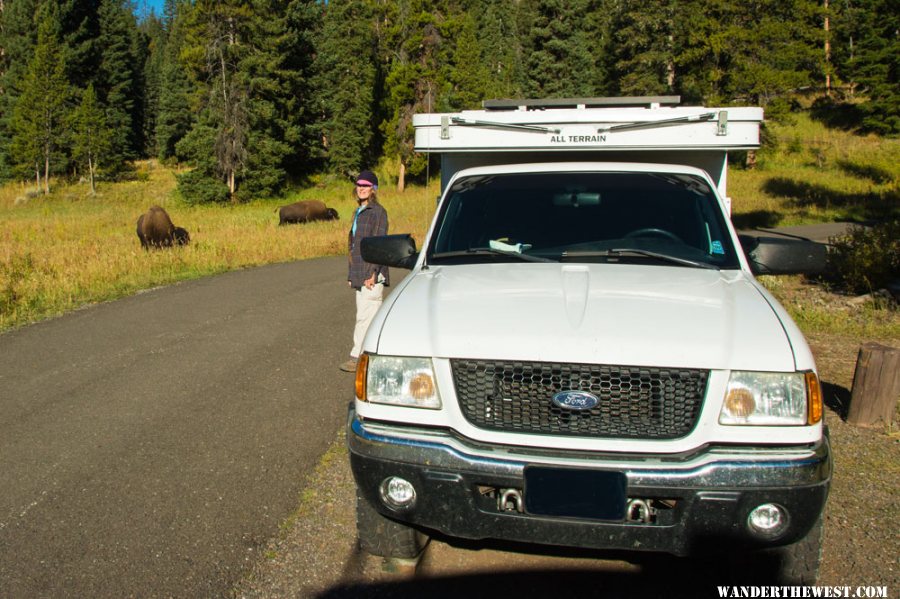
(707, 494)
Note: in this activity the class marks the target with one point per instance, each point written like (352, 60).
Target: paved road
(149, 446)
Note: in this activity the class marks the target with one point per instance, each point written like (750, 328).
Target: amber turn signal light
(362, 366)
(813, 398)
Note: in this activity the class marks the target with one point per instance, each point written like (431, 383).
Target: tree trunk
(827, 53)
(91, 174)
(876, 386)
(47, 173)
(401, 177)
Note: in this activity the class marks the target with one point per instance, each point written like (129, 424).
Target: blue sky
(143, 6)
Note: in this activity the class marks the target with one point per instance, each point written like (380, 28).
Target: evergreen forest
(250, 96)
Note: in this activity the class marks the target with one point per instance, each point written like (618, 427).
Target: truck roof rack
(623, 101)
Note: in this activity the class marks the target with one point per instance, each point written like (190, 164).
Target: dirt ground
(316, 555)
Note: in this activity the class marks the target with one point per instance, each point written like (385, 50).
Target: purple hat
(367, 178)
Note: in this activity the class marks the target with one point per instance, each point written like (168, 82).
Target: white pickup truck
(581, 355)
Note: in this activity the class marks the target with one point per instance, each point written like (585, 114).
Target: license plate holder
(575, 493)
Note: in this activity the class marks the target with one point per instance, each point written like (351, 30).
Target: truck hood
(586, 313)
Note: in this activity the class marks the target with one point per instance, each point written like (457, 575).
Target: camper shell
(640, 130)
(581, 355)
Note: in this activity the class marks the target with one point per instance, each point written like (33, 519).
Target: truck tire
(379, 535)
(796, 564)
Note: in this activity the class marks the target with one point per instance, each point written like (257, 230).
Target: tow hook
(638, 511)
(511, 501)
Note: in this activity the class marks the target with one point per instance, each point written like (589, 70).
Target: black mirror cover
(781, 256)
(390, 250)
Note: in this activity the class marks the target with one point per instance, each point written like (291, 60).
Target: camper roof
(635, 129)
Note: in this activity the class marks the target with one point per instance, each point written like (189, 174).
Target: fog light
(398, 492)
(767, 520)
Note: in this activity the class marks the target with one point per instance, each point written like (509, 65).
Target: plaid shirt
(372, 221)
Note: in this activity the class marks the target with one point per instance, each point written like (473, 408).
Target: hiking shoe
(349, 365)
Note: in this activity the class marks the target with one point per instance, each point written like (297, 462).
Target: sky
(144, 6)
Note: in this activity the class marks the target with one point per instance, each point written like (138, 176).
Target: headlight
(399, 381)
(769, 398)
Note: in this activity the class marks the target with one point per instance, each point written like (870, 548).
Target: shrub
(866, 259)
(198, 188)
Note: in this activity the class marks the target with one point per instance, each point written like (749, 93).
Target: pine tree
(174, 116)
(216, 40)
(773, 48)
(41, 106)
(18, 38)
(502, 53)
(90, 134)
(346, 63)
(875, 62)
(251, 63)
(155, 35)
(117, 82)
(278, 73)
(557, 48)
(411, 47)
(468, 74)
(645, 48)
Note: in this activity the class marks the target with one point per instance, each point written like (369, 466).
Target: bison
(155, 229)
(306, 211)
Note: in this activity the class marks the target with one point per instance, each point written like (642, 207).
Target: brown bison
(155, 229)
(306, 211)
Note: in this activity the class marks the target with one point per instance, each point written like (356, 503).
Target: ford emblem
(576, 400)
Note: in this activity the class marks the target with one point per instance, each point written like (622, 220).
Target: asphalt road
(149, 447)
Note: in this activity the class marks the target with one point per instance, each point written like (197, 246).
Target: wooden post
(876, 386)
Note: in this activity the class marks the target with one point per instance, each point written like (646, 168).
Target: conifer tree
(411, 46)
(18, 38)
(557, 48)
(217, 38)
(468, 74)
(155, 36)
(117, 82)
(645, 48)
(251, 63)
(501, 49)
(773, 48)
(874, 62)
(41, 105)
(174, 117)
(90, 134)
(346, 65)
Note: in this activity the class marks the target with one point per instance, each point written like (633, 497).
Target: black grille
(635, 402)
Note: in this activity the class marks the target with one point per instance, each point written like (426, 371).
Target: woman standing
(369, 280)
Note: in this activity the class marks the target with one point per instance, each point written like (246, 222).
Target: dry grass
(70, 249)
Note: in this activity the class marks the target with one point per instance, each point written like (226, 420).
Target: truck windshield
(583, 217)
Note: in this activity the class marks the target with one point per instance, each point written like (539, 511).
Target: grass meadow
(71, 249)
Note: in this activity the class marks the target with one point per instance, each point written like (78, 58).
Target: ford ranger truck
(582, 357)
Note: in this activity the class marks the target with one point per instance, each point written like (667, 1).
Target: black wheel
(796, 564)
(379, 535)
(653, 232)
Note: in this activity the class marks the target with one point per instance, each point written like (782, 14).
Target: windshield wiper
(485, 251)
(637, 252)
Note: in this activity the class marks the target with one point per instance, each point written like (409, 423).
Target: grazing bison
(155, 229)
(306, 211)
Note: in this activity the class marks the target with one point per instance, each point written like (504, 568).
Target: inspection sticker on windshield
(716, 247)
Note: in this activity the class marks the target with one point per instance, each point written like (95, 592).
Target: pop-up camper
(581, 355)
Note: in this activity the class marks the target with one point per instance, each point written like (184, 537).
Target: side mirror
(780, 256)
(390, 250)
